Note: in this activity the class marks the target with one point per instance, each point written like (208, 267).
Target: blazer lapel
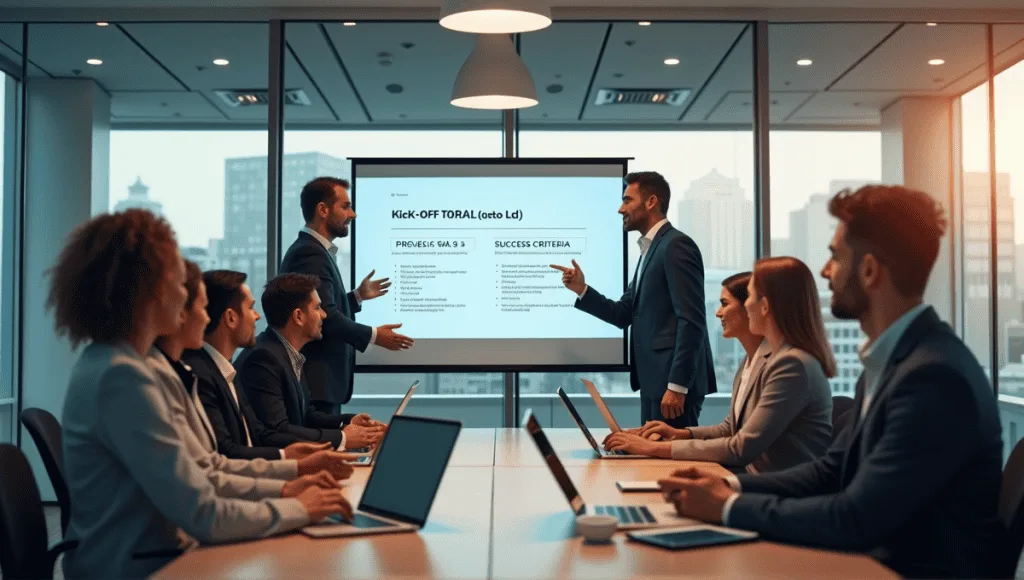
(925, 323)
(761, 356)
(194, 393)
(225, 391)
(646, 259)
(282, 356)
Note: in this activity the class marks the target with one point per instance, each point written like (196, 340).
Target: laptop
(601, 452)
(605, 411)
(367, 460)
(629, 516)
(401, 489)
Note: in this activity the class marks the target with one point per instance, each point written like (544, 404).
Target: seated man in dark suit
(914, 479)
(239, 433)
(271, 370)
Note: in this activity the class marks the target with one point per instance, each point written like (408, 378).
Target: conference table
(499, 514)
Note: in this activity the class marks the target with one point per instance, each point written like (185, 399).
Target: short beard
(854, 301)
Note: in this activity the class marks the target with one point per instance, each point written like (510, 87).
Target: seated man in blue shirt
(896, 483)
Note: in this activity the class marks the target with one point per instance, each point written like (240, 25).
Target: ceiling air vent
(670, 97)
(251, 97)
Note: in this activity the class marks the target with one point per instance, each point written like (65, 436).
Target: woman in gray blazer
(239, 478)
(781, 413)
(117, 285)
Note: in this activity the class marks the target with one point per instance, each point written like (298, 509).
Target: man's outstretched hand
(572, 278)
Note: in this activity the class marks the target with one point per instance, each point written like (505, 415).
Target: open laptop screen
(553, 462)
(579, 420)
(413, 457)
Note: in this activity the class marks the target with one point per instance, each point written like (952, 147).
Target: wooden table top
(500, 514)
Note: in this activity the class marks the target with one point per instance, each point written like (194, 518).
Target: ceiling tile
(62, 49)
(417, 60)
(561, 58)
(637, 53)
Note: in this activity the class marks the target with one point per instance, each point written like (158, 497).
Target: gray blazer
(784, 420)
(231, 477)
(133, 483)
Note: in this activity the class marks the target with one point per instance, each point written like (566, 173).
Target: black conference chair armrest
(59, 548)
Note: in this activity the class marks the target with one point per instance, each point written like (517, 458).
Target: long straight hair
(788, 285)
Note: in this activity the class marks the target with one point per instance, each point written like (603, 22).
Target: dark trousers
(650, 410)
(326, 407)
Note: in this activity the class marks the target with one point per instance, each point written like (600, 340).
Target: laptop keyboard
(617, 452)
(626, 514)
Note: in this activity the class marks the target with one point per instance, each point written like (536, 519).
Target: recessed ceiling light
(102, 24)
(936, 61)
(349, 24)
(94, 61)
(805, 62)
(933, 24)
(671, 61)
(221, 62)
(644, 23)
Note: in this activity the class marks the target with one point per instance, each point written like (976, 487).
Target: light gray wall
(67, 150)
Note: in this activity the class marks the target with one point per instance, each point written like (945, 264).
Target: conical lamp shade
(495, 16)
(494, 77)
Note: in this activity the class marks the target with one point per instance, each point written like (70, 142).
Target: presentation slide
(468, 248)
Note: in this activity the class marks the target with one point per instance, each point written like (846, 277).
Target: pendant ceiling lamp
(494, 77)
(495, 16)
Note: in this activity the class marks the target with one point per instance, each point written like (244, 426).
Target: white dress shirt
(333, 251)
(227, 370)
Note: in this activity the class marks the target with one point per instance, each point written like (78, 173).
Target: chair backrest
(23, 538)
(1011, 508)
(46, 433)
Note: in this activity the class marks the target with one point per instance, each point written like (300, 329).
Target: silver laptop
(629, 516)
(367, 460)
(395, 499)
(601, 406)
(601, 452)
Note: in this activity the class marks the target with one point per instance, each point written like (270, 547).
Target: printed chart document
(468, 249)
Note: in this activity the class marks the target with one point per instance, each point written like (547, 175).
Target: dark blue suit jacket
(280, 401)
(915, 483)
(330, 361)
(670, 337)
(226, 417)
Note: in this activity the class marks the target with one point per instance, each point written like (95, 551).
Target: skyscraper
(245, 209)
(716, 213)
(138, 198)
(977, 274)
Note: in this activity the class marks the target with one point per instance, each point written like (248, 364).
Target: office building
(138, 198)
(977, 273)
(244, 247)
(716, 213)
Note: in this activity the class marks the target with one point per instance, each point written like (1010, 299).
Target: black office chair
(1011, 506)
(841, 422)
(46, 433)
(23, 538)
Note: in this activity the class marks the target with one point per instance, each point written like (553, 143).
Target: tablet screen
(683, 539)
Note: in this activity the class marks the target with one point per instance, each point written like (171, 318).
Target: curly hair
(109, 269)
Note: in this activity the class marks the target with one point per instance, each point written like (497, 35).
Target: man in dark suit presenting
(330, 361)
(670, 354)
(914, 480)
